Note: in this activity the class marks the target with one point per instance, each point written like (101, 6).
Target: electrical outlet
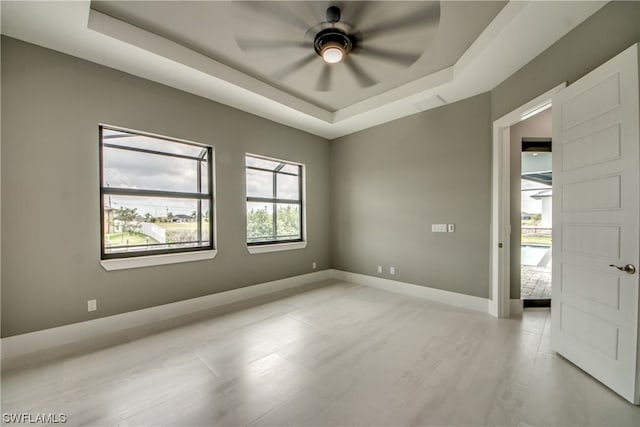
(92, 305)
(314, 266)
(452, 228)
(379, 269)
(392, 270)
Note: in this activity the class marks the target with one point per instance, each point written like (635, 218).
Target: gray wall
(51, 105)
(599, 38)
(391, 182)
(538, 126)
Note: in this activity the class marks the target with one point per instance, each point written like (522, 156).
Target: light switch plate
(438, 228)
(452, 228)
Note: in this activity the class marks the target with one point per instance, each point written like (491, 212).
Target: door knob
(629, 268)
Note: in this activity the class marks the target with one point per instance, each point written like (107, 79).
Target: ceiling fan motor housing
(333, 37)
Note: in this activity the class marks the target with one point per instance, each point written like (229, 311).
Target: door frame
(500, 304)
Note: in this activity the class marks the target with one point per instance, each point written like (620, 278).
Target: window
(156, 195)
(274, 201)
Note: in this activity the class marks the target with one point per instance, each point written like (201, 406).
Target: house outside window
(156, 195)
(274, 190)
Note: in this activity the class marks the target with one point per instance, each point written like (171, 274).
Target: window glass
(260, 226)
(129, 140)
(257, 162)
(273, 218)
(288, 187)
(288, 221)
(292, 169)
(156, 195)
(259, 183)
(132, 169)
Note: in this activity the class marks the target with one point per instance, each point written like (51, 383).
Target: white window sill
(276, 247)
(151, 260)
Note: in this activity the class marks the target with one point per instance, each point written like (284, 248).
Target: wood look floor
(331, 354)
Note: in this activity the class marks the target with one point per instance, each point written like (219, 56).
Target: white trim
(446, 297)
(260, 249)
(19, 345)
(16, 346)
(151, 260)
(536, 110)
(500, 214)
(516, 306)
(499, 305)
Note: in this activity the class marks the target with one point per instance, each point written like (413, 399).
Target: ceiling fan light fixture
(333, 45)
(332, 53)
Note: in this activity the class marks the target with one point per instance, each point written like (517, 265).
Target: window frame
(277, 245)
(132, 259)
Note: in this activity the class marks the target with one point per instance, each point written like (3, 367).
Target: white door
(596, 164)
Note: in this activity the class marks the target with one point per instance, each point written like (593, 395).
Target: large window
(274, 201)
(156, 195)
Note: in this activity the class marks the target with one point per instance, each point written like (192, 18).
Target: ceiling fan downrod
(333, 14)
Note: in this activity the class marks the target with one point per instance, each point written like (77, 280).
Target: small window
(274, 201)
(156, 195)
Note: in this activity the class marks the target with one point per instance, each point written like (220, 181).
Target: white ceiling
(475, 46)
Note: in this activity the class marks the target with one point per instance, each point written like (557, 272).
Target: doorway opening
(505, 229)
(536, 220)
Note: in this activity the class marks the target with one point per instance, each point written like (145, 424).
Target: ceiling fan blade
(256, 44)
(389, 55)
(276, 11)
(429, 16)
(363, 78)
(285, 71)
(355, 12)
(324, 81)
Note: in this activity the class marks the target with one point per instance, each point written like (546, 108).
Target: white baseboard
(446, 297)
(31, 342)
(515, 306)
(20, 345)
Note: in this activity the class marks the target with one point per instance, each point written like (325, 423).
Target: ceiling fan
(334, 42)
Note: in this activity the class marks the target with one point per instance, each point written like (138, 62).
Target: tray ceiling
(213, 28)
(194, 46)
